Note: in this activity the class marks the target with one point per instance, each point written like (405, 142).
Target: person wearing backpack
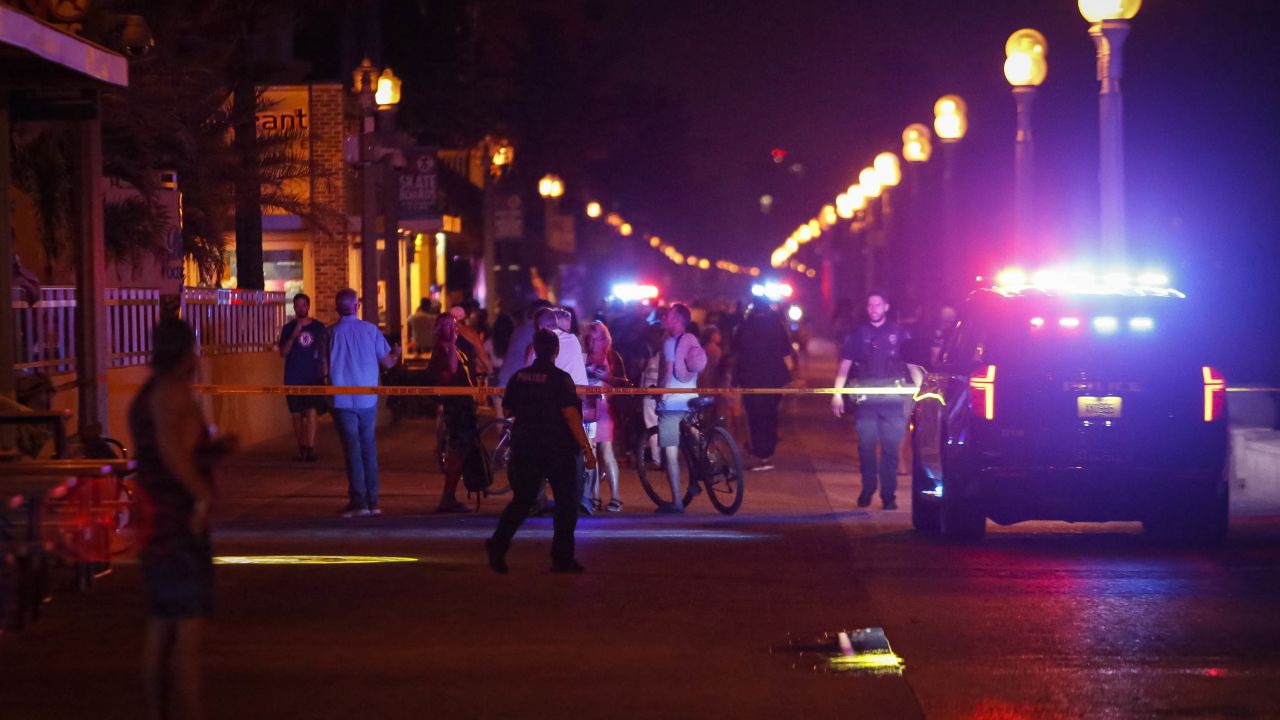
(456, 433)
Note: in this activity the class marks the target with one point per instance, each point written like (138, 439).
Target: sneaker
(890, 504)
(375, 510)
(764, 465)
(586, 509)
(352, 511)
(572, 567)
(615, 505)
(864, 501)
(455, 507)
(497, 557)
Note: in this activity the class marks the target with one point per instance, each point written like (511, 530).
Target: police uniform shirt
(876, 353)
(537, 396)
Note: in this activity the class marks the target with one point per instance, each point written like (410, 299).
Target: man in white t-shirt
(570, 358)
(682, 359)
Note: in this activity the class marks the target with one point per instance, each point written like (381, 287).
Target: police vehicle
(1077, 398)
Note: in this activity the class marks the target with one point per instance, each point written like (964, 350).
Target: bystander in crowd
(357, 355)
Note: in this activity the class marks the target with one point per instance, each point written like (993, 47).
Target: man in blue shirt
(304, 345)
(357, 354)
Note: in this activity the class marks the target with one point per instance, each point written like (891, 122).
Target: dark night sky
(834, 82)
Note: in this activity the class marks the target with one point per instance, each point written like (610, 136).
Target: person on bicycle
(548, 443)
(456, 434)
(682, 359)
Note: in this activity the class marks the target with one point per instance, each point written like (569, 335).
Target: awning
(24, 37)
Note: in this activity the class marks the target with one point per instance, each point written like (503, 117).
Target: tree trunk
(248, 191)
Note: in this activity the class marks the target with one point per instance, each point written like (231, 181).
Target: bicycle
(709, 459)
(495, 439)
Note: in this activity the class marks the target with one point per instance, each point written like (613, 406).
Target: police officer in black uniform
(872, 355)
(548, 443)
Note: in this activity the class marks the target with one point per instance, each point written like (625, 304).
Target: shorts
(669, 429)
(177, 578)
(299, 404)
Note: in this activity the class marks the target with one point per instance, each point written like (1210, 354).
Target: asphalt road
(687, 617)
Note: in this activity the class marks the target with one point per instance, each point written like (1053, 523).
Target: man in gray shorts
(682, 359)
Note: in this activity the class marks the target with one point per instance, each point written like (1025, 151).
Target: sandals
(615, 505)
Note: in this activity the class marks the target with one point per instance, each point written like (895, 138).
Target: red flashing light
(1215, 393)
(982, 390)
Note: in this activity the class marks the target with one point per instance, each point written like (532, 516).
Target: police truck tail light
(982, 391)
(1215, 393)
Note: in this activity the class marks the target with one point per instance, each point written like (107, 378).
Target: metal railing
(44, 335)
(233, 321)
(225, 321)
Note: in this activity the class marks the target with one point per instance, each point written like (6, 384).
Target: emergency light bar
(630, 292)
(1015, 281)
(772, 290)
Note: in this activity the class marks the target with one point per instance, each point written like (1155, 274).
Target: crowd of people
(562, 433)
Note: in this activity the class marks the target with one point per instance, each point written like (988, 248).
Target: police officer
(872, 354)
(547, 444)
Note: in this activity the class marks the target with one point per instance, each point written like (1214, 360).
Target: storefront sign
(419, 185)
(560, 235)
(284, 119)
(508, 217)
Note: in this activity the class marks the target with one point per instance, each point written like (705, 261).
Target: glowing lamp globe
(888, 171)
(869, 179)
(917, 143)
(550, 186)
(1025, 64)
(593, 210)
(857, 197)
(950, 118)
(844, 206)
(387, 93)
(1098, 10)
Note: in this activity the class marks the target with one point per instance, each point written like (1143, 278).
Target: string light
(626, 229)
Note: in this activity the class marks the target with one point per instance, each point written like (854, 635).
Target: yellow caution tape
(441, 391)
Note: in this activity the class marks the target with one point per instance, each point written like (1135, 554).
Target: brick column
(328, 197)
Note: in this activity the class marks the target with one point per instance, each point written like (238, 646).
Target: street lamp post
(1025, 68)
(387, 97)
(365, 87)
(950, 124)
(551, 188)
(917, 148)
(1109, 26)
(889, 174)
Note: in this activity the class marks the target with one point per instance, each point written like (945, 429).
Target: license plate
(1098, 407)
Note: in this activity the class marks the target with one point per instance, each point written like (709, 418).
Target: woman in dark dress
(176, 457)
(456, 432)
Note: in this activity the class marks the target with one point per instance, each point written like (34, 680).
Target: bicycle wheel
(495, 438)
(653, 478)
(723, 476)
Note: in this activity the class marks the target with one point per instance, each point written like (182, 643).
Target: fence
(225, 321)
(233, 321)
(44, 335)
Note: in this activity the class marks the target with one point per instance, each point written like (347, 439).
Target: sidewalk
(675, 618)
